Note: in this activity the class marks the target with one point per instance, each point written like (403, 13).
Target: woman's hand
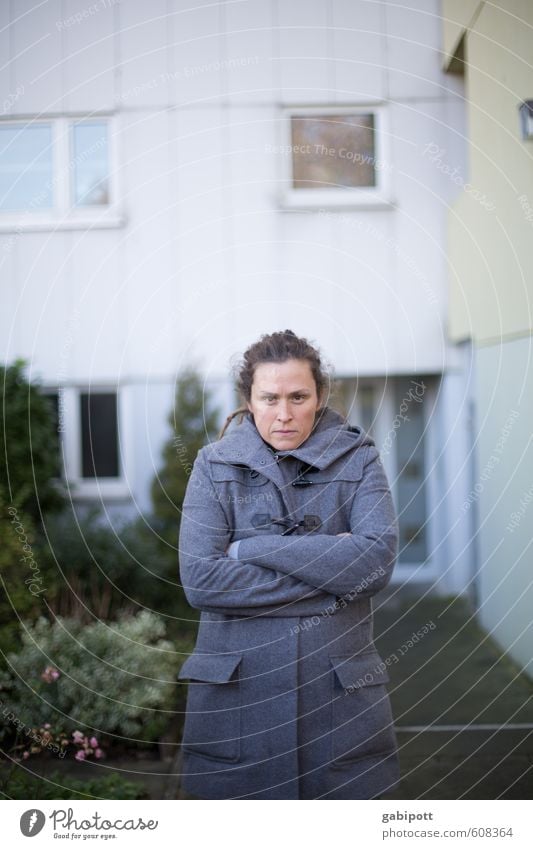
(232, 549)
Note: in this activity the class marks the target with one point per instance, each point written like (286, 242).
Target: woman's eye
(270, 398)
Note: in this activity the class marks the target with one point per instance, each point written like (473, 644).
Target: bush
(29, 446)
(19, 785)
(25, 581)
(116, 678)
(193, 422)
(104, 571)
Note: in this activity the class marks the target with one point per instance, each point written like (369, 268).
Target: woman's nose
(284, 412)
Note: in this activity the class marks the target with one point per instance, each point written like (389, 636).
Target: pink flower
(50, 674)
(98, 753)
(25, 755)
(93, 742)
(80, 756)
(47, 725)
(78, 737)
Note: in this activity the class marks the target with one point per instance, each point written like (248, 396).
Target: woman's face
(284, 402)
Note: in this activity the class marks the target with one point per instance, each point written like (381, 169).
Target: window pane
(90, 164)
(99, 440)
(411, 481)
(26, 167)
(333, 151)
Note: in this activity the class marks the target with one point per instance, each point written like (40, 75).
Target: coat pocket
(361, 717)
(212, 725)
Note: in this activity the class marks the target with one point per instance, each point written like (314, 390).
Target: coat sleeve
(358, 564)
(215, 582)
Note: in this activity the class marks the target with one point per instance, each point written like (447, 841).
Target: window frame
(376, 197)
(64, 215)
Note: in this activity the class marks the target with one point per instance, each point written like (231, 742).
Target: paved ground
(451, 677)
(452, 690)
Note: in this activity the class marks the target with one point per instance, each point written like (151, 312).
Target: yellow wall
(504, 450)
(457, 16)
(491, 301)
(491, 291)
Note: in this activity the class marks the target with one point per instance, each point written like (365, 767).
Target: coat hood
(332, 437)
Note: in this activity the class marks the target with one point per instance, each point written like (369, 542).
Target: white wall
(504, 472)
(206, 258)
(455, 504)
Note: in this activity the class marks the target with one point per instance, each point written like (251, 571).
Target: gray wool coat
(287, 696)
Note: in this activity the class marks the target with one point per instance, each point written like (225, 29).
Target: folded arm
(213, 581)
(354, 564)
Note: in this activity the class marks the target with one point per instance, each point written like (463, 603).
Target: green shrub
(20, 785)
(25, 580)
(115, 678)
(29, 466)
(193, 423)
(29, 446)
(104, 571)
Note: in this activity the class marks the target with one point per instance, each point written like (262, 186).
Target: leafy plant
(25, 579)
(105, 571)
(193, 422)
(117, 678)
(20, 785)
(29, 447)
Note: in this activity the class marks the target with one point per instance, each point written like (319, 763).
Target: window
(336, 157)
(411, 471)
(396, 412)
(57, 173)
(333, 150)
(90, 184)
(91, 438)
(99, 435)
(25, 167)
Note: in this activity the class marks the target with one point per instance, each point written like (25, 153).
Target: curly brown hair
(276, 348)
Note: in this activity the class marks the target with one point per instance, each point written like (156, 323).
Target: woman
(288, 529)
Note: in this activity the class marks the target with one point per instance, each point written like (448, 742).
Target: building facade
(178, 179)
